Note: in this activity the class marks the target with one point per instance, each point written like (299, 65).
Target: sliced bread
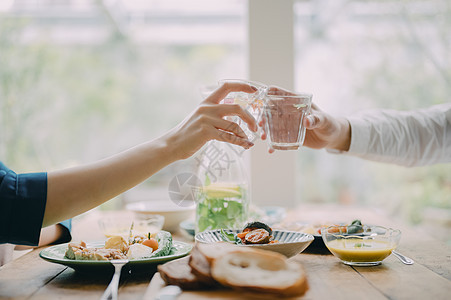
(200, 266)
(260, 271)
(216, 250)
(178, 272)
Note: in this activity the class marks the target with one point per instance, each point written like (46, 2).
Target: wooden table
(30, 277)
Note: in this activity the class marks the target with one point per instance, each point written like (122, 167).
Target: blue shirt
(22, 206)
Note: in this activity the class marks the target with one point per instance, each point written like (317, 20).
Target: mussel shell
(258, 225)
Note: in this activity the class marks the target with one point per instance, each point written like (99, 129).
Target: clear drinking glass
(284, 114)
(251, 102)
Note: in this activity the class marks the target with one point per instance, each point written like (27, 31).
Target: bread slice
(200, 266)
(260, 271)
(203, 255)
(215, 250)
(178, 272)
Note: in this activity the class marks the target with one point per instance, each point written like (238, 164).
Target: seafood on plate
(253, 233)
(116, 247)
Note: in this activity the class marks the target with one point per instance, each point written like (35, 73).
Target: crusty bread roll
(260, 271)
(179, 273)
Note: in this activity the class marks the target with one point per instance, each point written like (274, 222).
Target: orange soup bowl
(361, 245)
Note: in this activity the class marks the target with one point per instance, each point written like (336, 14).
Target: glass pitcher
(223, 199)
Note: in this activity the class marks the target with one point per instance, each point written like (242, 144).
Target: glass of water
(284, 114)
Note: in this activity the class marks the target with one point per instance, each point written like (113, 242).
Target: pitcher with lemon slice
(223, 200)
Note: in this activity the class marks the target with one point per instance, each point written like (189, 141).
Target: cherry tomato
(241, 235)
(152, 243)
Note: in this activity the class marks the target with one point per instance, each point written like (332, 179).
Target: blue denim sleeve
(67, 224)
(22, 206)
(66, 237)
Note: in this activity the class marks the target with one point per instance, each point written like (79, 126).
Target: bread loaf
(242, 268)
(260, 271)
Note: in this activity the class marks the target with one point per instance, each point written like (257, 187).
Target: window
(356, 55)
(84, 79)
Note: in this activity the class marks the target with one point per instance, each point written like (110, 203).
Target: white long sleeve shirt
(409, 138)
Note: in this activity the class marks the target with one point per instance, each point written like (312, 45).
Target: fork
(111, 290)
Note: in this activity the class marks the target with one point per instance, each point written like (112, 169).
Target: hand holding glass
(284, 115)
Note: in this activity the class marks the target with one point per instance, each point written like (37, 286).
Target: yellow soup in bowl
(359, 250)
(369, 246)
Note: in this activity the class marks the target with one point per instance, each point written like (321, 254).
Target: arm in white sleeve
(408, 138)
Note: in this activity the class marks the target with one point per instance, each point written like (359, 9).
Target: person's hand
(207, 123)
(326, 131)
(322, 129)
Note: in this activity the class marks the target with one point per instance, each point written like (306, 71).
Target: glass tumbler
(284, 115)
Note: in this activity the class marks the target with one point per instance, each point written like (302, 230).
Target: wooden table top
(30, 277)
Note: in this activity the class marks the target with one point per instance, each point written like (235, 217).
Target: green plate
(55, 254)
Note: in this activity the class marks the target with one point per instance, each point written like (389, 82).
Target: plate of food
(141, 251)
(260, 236)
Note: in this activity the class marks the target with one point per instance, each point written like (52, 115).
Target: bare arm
(76, 190)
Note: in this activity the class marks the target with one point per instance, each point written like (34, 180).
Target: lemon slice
(222, 190)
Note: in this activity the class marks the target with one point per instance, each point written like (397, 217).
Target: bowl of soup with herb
(369, 246)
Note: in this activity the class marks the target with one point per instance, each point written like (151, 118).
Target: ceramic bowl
(172, 213)
(368, 246)
(120, 225)
(290, 243)
(188, 227)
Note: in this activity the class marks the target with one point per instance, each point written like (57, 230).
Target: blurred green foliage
(67, 104)
(414, 72)
(64, 104)
(401, 61)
